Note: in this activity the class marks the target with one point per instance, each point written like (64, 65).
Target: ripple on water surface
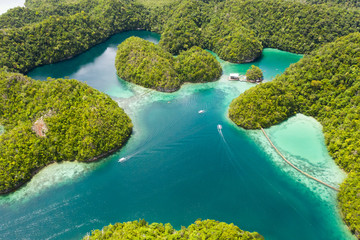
(177, 167)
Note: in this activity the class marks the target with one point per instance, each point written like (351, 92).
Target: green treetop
(151, 66)
(254, 74)
(207, 229)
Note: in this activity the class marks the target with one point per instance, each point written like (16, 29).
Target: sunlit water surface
(179, 166)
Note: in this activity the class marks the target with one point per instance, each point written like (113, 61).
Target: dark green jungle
(207, 229)
(324, 84)
(151, 66)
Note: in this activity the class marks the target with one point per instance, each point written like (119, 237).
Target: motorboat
(123, 159)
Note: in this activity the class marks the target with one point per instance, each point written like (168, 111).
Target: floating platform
(237, 77)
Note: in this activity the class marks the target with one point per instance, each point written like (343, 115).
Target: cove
(179, 167)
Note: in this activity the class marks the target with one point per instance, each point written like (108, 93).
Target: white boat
(123, 159)
(219, 127)
(201, 111)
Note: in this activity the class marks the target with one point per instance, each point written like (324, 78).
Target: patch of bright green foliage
(343, 3)
(207, 229)
(53, 30)
(291, 26)
(197, 66)
(46, 3)
(232, 42)
(180, 35)
(154, 3)
(144, 63)
(81, 124)
(254, 74)
(149, 65)
(66, 31)
(237, 30)
(325, 85)
(199, 27)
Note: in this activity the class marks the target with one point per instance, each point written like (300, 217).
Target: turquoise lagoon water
(179, 166)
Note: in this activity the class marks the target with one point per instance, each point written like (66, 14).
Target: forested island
(254, 74)
(151, 66)
(206, 229)
(53, 121)
(49, 31)
(323, 85)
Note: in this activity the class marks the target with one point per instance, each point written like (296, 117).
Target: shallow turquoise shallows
(179, 166)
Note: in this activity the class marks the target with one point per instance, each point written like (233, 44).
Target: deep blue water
(179, 168)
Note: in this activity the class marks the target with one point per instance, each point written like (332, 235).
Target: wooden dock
(292, 165)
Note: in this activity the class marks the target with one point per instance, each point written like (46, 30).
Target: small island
(254, 74)
(206, 229)
(149, 65)
(53, 121)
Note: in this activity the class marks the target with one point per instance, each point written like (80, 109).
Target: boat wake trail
(228, 150)
(123, 159)
(219, 128)
(231, 156)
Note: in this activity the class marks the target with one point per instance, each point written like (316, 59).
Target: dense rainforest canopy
(197, 66)
(325, 82)
(207, 229)
(345, 3)
(149, 65)
(62, 36)
(237, 30)
(254, 73)
(325, 85)
(54, 120)
(229, 39)
(144, 63)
